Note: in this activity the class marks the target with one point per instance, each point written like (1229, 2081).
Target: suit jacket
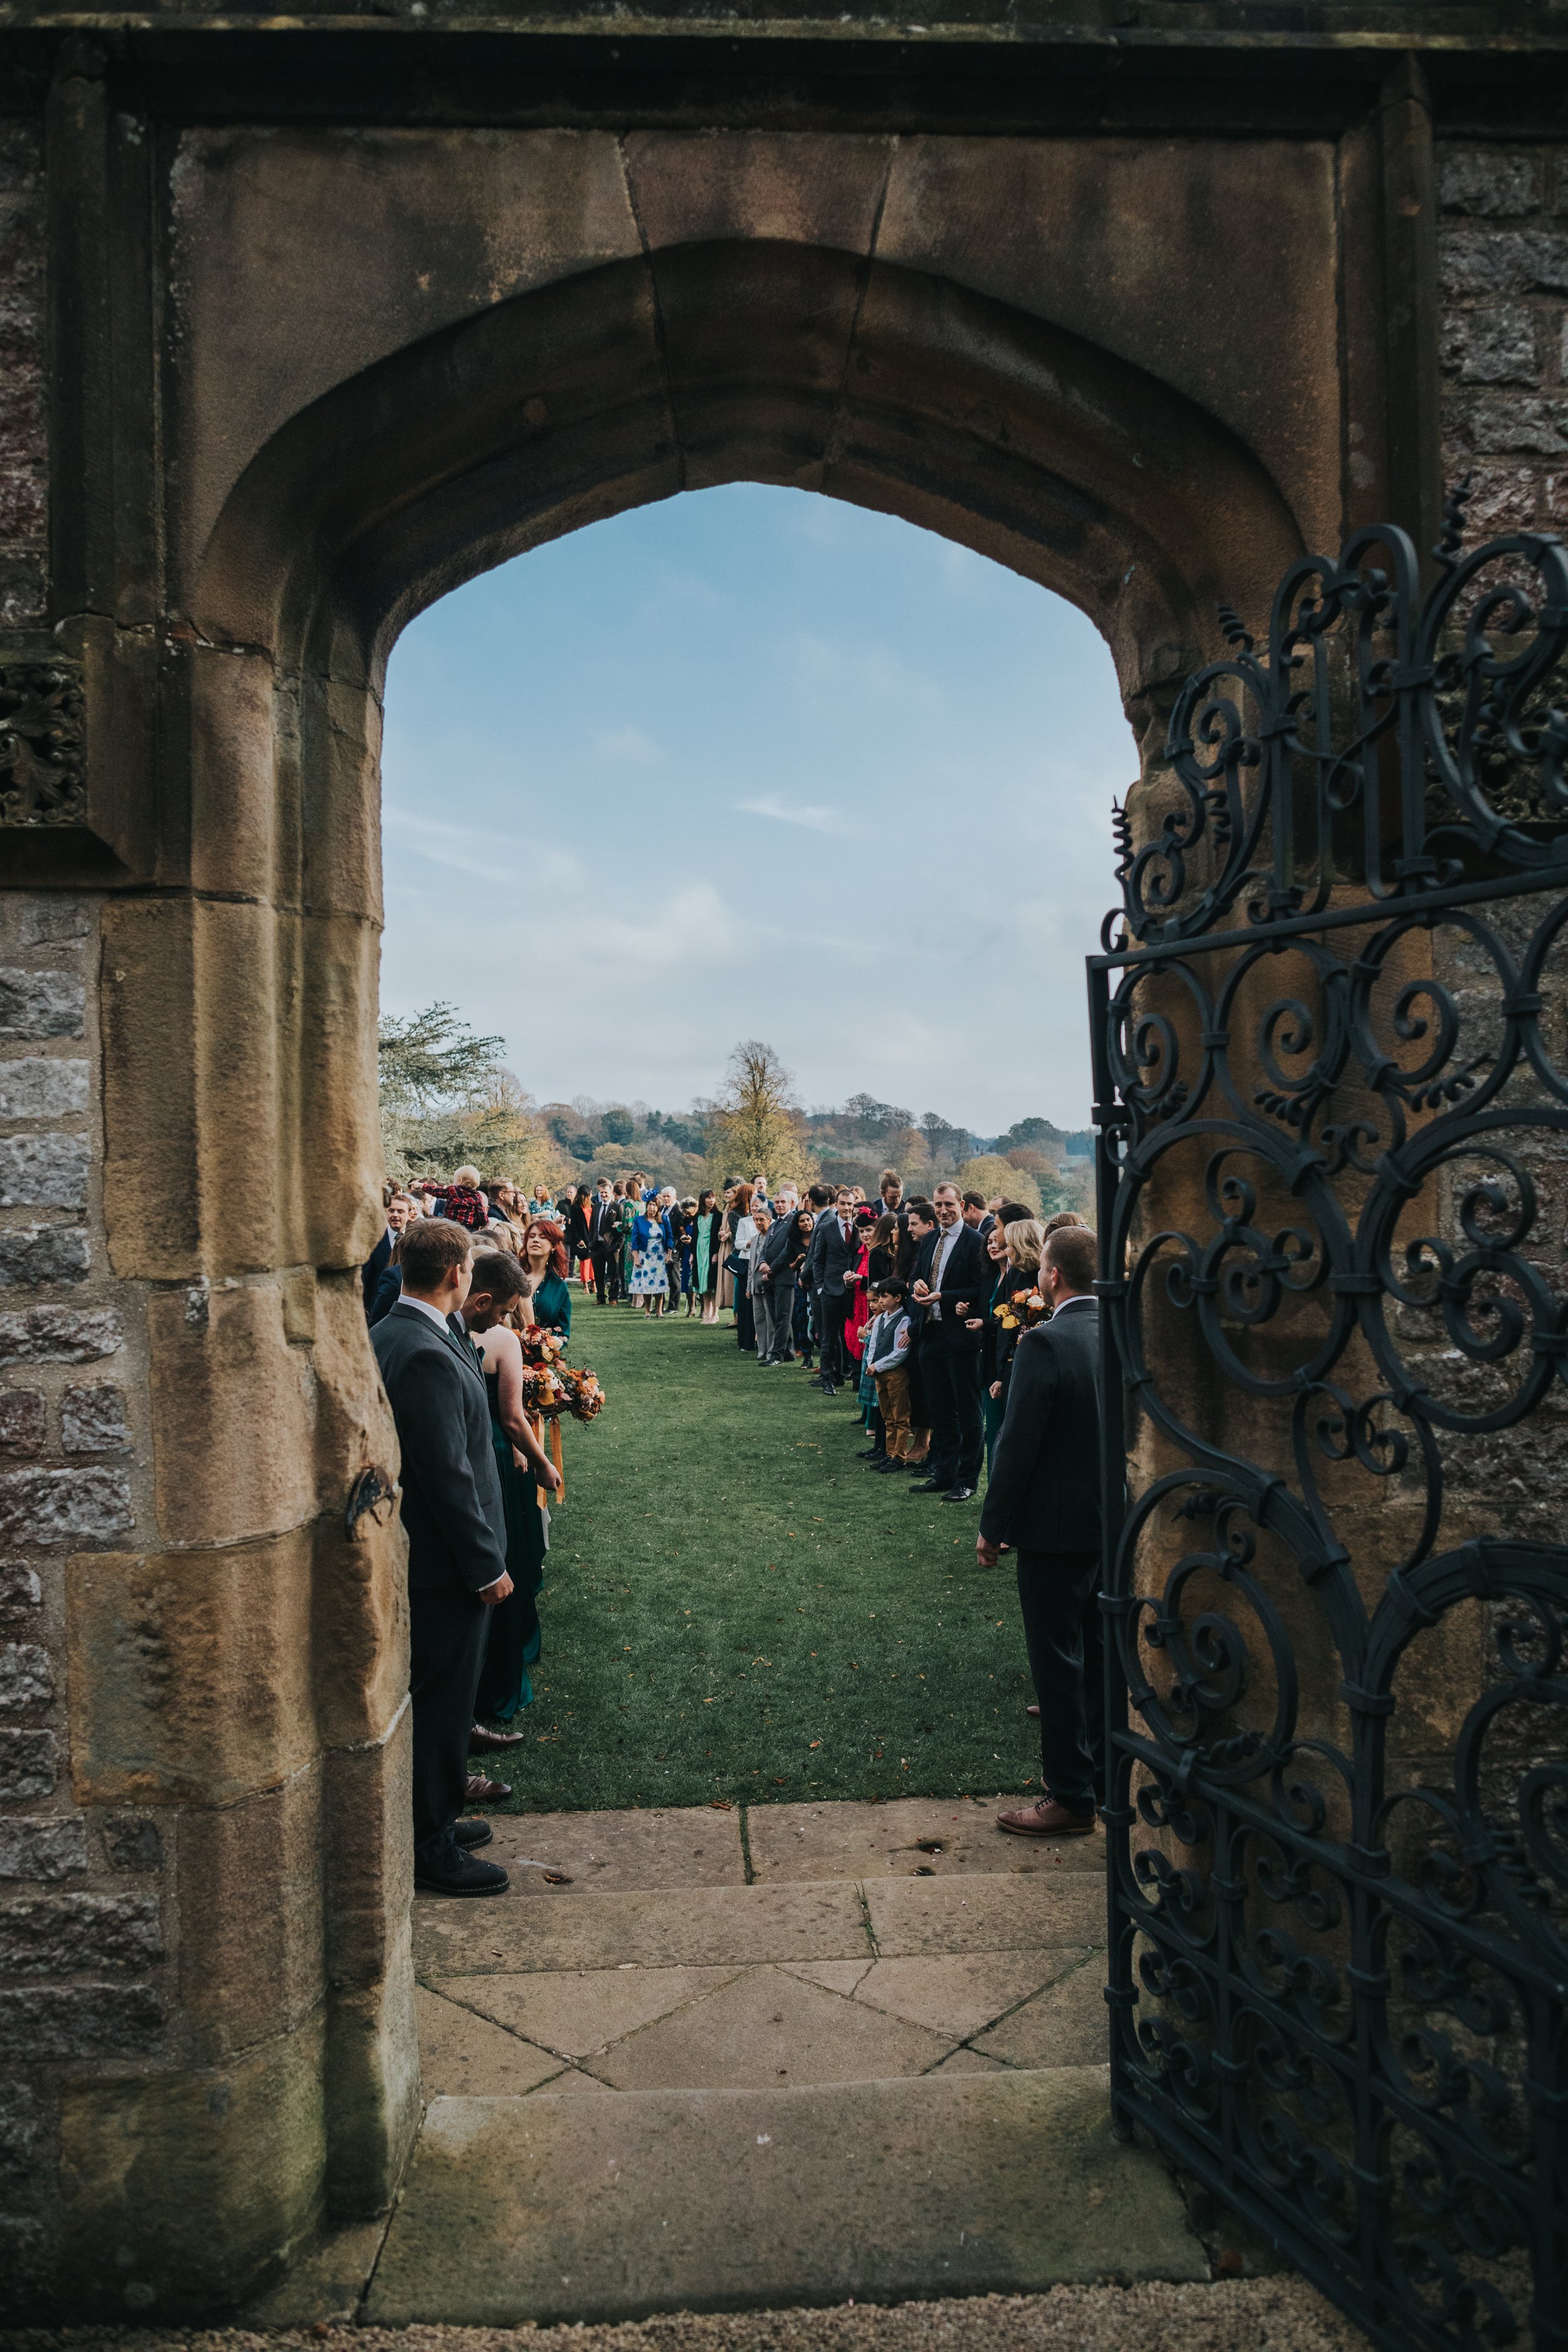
(782, 1252)
(371, 1272)
(388, 1291)
(965, 1281)
(603, 1225)
(830, 1256)
(578, 1232)
(1044, 1491)
(451, 1491)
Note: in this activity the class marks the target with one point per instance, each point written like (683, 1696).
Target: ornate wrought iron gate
(1331, 1032)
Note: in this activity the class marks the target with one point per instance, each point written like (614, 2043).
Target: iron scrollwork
(42, 743)
(1331, 1024)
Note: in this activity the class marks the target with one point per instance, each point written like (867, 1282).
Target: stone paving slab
(579, 2011)
(888, 1841)
(465, 2056)
(1066, 2025)
(545, 2209)
(768, 2029)
(620, 1853)
(986, 1914)
(958, 1993)
(701, 1926)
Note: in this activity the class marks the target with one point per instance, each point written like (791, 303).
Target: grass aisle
(734, 1608)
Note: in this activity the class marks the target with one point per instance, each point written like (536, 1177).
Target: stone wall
(1503, 260)
(80, 1892)
(24, 452)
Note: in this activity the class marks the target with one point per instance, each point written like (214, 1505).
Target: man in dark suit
(773, 1280)
(952, 1280)
(835, 1246)
(605, 1241)
(1044, 1500)
(453, 1516)
(376, 1274)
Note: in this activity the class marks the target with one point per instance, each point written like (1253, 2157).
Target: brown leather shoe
(1045, 1818)
(488, 1743)
(485, 1793)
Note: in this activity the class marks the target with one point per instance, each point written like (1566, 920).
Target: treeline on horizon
(447, 1096)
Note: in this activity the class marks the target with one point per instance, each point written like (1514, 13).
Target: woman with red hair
(544, 1255)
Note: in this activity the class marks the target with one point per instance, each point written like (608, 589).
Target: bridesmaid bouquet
(551, 1389)
(1021, 1310)
(540, 1347)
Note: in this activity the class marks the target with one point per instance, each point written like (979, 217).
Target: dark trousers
(832, 1314)
(1059, 1594)
(445, 1651)
(606, 1271)
(950, 1368)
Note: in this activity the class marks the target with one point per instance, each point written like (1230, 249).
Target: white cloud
(802, 812)
(628, 743)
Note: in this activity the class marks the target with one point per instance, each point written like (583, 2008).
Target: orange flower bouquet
(1020, 1310)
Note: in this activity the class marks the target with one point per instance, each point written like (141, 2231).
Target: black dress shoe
(870, 1454)
(959, 1495)
(927, 1486)
(469, 1834)
(488, 1743)
(827, 1389)
(887, 1467)
(463, 1874)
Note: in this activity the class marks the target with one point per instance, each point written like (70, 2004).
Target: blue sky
(754, 762)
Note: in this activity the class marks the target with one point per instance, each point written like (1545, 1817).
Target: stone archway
(239, 1678)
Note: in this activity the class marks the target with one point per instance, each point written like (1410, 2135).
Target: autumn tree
(753, 1124)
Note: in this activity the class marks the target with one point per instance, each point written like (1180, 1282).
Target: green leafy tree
(447, 1096)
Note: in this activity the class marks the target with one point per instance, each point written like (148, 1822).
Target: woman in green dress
(544, 1255)
(705, 1249)
(512, 1636)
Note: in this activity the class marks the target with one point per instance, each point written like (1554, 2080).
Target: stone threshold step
(570, 2209)
(718, 1927)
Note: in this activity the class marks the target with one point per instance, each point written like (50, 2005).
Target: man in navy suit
(835, 1246)
(951, 1281)
(456, 1524)
(379, 1276)
(1044, 1500)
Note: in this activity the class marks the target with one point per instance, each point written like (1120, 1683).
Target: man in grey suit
(1044, 1499)
(455, 1524)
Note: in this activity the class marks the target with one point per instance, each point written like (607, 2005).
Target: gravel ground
(1267, 2314)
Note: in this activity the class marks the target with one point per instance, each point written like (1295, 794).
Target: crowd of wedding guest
(965, 1329)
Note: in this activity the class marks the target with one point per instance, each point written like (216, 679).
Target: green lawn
(733, 1607)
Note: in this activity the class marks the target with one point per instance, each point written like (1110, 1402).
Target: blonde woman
(1016, 1250)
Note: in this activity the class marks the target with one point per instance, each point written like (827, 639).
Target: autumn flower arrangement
(1021, 1310)
(554, 1390)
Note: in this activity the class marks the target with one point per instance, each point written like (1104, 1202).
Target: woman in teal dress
(512, 1636)
(544, 1255)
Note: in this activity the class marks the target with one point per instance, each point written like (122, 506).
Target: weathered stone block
(42, 1846)
(368, 1855)
(59, 1335)
(41, 1004)
(1488, 184)
(24, 1421)
(44, 1171)
(212, 1388)
(250, 1916)
(22, 2129)
(19, 1585)
(133, 1843)
(26, 1675)
(93, 1421)
(86, 2020)
(37, 1089)
(58, 1507)
(372, 2089)
(27, 1764)
(160, 1643)
(1492, 345)
(70, 1934)
(47, 922)
(1498, 426)
(1503, 261)
(40, 1254)
(204, 2177)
